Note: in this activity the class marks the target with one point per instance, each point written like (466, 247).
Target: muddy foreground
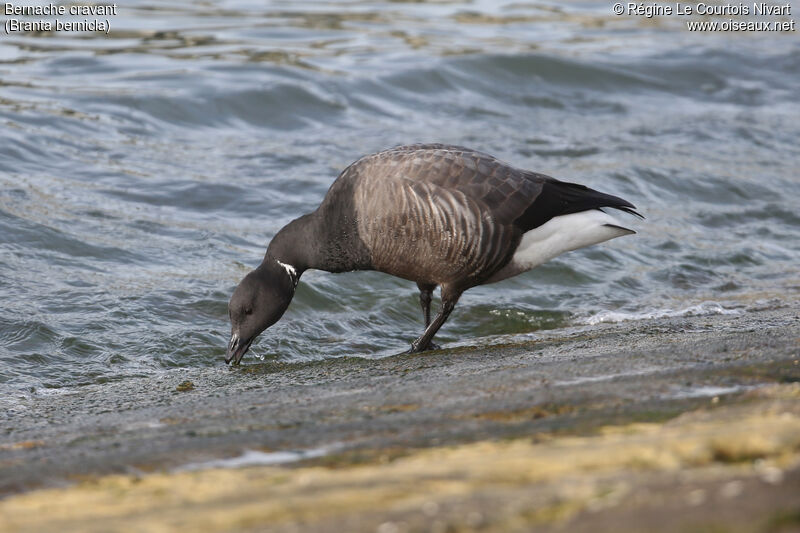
(688, 423)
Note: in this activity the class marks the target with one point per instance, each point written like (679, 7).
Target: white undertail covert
(559, 235)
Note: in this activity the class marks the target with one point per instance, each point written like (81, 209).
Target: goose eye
(248, 311)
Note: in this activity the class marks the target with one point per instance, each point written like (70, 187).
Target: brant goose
(430, 213)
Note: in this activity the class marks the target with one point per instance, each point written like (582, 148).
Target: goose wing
(508, 194)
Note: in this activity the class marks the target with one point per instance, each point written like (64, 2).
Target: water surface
(143, 173)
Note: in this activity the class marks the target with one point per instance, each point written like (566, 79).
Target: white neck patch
(289, 270)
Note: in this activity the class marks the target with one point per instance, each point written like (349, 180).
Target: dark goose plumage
(435, 214)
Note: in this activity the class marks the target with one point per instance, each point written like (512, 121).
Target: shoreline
(741, 460)
(633, 380)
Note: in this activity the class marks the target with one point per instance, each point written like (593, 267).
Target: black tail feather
(631, 211)
(562, 198)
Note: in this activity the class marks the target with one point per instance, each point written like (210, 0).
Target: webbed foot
(416, 349)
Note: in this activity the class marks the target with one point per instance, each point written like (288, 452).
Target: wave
(702, 309)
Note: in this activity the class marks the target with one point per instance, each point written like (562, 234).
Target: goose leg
(425, 296)
(448, 304)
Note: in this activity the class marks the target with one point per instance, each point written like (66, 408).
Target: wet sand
(690, 422)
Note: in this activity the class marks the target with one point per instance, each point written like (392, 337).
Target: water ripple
(142, 174)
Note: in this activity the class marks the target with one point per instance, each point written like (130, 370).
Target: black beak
(237, 348)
